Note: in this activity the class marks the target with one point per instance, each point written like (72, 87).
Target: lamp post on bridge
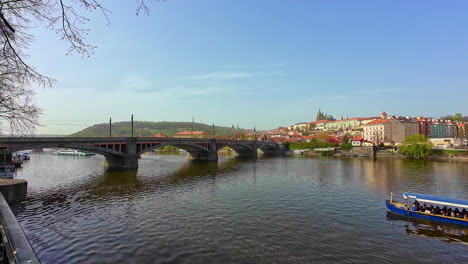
(193, 121)
(110, 127)
(213, 131)
(132, 125)
(255, 133)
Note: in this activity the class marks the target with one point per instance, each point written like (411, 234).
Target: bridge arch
(84, 147)
(187, 146)
(240, 148)
(271, 148)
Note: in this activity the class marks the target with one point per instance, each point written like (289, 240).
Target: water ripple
(274, 210)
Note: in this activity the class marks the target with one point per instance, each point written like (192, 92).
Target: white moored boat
(73, 153)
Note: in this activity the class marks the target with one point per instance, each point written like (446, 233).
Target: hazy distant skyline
(270, 63)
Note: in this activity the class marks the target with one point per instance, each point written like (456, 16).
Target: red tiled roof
(380, 121)
(357, 138)
(277, 139)
(190, 133)
(309, 137)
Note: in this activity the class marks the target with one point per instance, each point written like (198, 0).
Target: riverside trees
(17, 77)
(417, 146)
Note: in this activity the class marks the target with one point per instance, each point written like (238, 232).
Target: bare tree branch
(17, 17)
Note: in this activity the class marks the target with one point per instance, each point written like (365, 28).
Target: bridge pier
(130, 162)
(127, 162)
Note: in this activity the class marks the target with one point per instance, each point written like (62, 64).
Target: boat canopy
(436, 200)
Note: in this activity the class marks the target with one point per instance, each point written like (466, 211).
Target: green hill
(148, 129)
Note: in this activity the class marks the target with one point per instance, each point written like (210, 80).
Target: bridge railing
(14, 247)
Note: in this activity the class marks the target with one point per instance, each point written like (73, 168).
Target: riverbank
(390, 153)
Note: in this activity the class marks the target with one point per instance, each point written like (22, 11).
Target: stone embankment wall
(390, 154)
(366, 151)
(14, 190)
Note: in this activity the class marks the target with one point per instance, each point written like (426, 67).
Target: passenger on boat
(444, 210)
(465, 217)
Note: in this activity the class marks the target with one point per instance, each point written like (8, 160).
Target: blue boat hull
(418, 215)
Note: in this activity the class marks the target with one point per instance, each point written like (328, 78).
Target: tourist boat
(73, 153)
(405, 210)
(7, 171)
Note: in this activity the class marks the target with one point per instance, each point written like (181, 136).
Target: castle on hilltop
(324, 116)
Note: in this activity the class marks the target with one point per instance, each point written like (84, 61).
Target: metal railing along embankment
(14, 245)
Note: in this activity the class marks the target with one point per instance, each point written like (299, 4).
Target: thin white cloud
(280, 64)
(220, 76)
(380, 91)
(136, 83)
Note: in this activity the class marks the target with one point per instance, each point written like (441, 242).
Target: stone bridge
(122, 152)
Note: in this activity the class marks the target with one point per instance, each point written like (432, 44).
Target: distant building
(424, 126)
(349, 123)
(323, 116)
(384, 131)
(300, 127)
(357, 141)
(391, 130)
(318, 125)
(442, 143)
(444, 129)
(411, 127)
(190, 134)
(160, 135)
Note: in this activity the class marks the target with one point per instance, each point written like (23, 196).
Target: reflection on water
(271, 210)
(443, 232)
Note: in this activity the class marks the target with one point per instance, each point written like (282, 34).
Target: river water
(269, 210)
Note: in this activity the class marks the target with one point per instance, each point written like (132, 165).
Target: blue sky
(265, 62)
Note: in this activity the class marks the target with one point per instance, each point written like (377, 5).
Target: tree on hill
(323, 137)
(416, 146)
(148, 129)
(67, 18)
(457, 117)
